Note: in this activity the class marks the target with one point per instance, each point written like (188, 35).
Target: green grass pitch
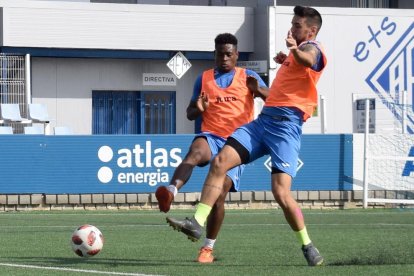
(252, 242)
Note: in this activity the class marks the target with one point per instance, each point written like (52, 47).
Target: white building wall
(66, 85)
(68, 25)
(342, 30)
(122, 26)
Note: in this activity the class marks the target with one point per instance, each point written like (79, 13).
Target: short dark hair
(313, 17)
(225, 38)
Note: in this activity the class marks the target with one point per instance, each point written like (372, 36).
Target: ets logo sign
(393, 75)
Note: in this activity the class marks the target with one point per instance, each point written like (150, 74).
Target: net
(389, 155)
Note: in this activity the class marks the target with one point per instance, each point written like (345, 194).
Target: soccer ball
(87, 241)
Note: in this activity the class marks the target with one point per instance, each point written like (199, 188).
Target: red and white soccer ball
(87, 241)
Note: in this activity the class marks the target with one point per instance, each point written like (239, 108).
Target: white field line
(230, 213)
(226, 225)
(33, 213)
(324, 224)
(73, 269)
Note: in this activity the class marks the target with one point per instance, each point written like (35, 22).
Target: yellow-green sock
(303, 236)
(202, 212)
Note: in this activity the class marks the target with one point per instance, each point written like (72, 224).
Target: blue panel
(327, 163)
(22, 163)
(138, 163)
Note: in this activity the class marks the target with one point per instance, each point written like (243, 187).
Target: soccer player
(224, 98)
(277, 131)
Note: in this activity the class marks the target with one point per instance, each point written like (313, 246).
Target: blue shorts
(267, 135)
(216, 143)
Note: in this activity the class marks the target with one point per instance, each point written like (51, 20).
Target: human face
(226, 56)
(301, 31)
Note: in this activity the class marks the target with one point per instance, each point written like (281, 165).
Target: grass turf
(252, 242)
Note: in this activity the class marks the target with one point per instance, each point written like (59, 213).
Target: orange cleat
(165, 198)
(205, 255)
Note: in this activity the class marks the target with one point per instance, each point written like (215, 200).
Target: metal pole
(27, 79)
(271, 34)
(365, 180)
(323, 115)
(404, 112)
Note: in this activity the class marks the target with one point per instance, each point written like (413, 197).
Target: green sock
(202, 212)
(303, 236)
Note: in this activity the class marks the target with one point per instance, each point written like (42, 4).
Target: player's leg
(283, 140)
(281, 184)
(245, 145)
(198, 154)
(213, 186)
(227, 159)
(216, 217)
(214, 222)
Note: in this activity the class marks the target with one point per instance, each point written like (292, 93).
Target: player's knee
(218, 166)
(195, 157)
(281, 196)
(221, 199)
(219, 204)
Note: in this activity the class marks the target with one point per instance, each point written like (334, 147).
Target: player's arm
(198, 103)
(307, 54)
(196, 108)
(256, 85)
(280, 57)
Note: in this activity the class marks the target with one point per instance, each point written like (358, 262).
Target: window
(158, 112)
(12, 84)
(133, 112)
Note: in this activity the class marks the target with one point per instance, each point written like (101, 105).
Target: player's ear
(314, 30)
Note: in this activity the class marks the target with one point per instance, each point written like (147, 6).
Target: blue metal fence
(133, 112)
(158, 112)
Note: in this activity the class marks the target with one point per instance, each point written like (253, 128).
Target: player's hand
(280, 57)
(253, 85)
(202, 102)
(291, 42)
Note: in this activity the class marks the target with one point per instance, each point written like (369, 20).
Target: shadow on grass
(379, 259)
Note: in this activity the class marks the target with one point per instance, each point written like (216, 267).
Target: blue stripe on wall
(103, 53)
(139, 163)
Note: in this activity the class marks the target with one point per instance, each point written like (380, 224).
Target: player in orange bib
(224, 99)
(276, 132)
